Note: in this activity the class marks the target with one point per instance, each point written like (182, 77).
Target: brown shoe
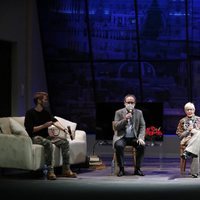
(69, 174)
(51, 176)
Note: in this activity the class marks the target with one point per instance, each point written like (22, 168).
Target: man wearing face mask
(129, 129)
(37, 121)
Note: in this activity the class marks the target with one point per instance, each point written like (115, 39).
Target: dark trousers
(119, 150)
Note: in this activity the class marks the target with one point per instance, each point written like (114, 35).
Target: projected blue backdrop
(97, 51)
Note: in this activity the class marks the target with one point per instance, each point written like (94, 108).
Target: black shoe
(138, 172)
(121, 172)
(194, 175)
(186, 155)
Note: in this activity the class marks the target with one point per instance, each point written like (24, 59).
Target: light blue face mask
(130, 107)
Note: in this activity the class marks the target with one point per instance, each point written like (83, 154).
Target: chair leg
(116, 167)
(134, 157)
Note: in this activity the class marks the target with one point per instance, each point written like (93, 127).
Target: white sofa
(18, 151)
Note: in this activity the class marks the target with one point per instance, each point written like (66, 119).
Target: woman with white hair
(188, 130)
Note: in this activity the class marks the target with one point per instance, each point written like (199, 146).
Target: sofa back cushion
(5, 125)
(20, 120)
(17, 128)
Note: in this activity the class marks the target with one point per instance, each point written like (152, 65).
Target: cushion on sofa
(19, 119)
(67, 123)
(17, 128)
(5, 125)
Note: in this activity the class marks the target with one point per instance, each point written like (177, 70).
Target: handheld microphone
(129, 111)
(190, 124)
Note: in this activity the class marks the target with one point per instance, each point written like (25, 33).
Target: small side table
(158, 145)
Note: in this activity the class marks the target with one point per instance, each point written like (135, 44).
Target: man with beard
(37, 121)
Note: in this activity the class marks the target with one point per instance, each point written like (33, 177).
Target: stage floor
(162, 180)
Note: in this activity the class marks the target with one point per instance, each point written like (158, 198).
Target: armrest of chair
(78, 148)
(16, 151)
(80, 135)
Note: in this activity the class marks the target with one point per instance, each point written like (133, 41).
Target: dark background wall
(89, 52)
(5, 80)
(20, 29)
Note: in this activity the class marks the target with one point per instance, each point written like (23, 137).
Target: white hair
(189, 105)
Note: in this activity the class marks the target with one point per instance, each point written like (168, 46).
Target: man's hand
(128, 116)
(47, 124)
(40, 127)
(141, 142)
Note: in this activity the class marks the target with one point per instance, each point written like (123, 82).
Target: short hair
(189, 105)
(39, 95)
(129, 95)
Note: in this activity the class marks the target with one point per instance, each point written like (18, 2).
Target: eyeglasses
(130, 102)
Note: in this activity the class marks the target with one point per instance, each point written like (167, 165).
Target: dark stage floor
(162, 180)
